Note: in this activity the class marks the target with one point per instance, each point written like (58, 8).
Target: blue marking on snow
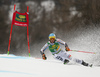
(15, 72)
(11, 56)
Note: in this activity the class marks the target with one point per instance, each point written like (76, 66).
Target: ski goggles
(52, 38)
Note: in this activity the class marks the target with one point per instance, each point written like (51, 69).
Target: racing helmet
(52, 35)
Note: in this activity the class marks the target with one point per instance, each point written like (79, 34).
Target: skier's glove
(44, 57)
(67, 49)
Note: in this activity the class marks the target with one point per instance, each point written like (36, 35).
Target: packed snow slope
(17, 66)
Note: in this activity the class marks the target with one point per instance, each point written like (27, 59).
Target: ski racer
(54, 46)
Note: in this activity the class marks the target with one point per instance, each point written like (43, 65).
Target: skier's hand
(67, 49)
(44, 57)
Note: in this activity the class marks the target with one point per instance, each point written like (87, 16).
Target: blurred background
(77, 22)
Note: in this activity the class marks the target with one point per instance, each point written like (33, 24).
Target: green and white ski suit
(57, 52)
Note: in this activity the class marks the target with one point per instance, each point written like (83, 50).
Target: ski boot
(66, 61)
(90, 65)
(86, 64)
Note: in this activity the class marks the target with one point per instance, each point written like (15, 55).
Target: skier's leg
(81, 62)
(62, 56)
(65, 57)
(76, 60)
(58, 57)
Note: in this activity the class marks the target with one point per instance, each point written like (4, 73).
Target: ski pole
(83, 51)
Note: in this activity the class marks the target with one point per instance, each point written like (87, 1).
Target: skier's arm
(63, 43)
(42, 51)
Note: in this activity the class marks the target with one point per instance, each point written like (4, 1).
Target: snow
(32, 5)
(48, 5)
(11, 10)
(18, 66)
(74, 12)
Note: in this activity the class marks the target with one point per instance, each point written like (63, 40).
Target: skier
(54, 46)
